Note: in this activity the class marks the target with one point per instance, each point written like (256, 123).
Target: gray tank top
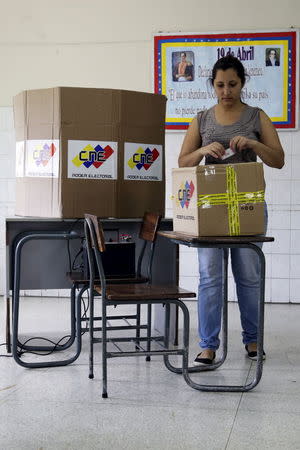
(211, 131)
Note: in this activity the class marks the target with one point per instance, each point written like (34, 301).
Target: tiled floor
(148, 406)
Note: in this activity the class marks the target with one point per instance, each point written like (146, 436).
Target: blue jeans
(246, 271)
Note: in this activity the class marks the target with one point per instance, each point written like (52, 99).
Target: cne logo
(143, 158)
(185, 193)
(43, 153)
(90, 155)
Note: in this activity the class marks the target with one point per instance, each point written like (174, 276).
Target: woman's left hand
(239, 143)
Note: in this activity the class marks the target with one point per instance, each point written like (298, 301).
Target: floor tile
(257, 430)
(149, 407)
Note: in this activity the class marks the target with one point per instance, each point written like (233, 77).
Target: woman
(243, 132)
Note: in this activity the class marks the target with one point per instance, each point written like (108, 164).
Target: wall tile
(5, 142)
(64, 292)
(268, 259)
(6, 119)
(269, 193)
(268, 290)
(268, 246)
(172, 161)
(295, 291)
(282, 241)
(295, 242)
(11, 190)
(189, 283)
(283, 207)
(3, 190)
(10, 210)
(188, 264)
(286, 142)
(295, 220)
(268, 174)
(280, 290)
(280, 266)
(295, 266)
(50, 292)
(286, 172)
(282, 192)
(7, 167)
(280, 220)
(295, 139)
(296, 167)
(295, 193)
(33, 293)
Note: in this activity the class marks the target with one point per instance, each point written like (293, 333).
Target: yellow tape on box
(232, 199)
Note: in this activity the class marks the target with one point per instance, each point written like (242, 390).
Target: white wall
(109, 44)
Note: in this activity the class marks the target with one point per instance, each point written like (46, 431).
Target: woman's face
(228, 86)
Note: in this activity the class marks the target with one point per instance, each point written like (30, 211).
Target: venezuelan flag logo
(185, 193)
(42, 154)
(143, 158)
(92, 156)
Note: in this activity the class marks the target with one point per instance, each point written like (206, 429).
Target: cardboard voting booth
(89, 150)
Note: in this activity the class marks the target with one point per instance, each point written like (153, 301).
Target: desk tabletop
(188, 239)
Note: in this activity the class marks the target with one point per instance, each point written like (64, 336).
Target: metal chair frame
(128, 294)
(148, 236)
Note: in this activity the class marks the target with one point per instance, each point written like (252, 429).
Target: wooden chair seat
(140, 292)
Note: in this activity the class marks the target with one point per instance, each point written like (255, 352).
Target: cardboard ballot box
(219, 200)
(89, 150)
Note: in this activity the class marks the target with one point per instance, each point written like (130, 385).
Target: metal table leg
(260, 333)
(16, 300)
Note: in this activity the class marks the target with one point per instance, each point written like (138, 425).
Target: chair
(128, 294)
(147, 234)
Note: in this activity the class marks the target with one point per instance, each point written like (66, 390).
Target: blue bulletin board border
(289, 40)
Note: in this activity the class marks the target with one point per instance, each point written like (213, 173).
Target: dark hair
(182, 53)
(229, 62)
(272, 50)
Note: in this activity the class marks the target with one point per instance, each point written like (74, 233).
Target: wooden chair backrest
(99, 235)
(149, 226)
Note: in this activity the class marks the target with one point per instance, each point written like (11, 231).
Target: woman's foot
(205, 358)
(251, 349)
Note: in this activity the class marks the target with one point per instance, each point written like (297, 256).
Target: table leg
(260, 333)
(15, 317)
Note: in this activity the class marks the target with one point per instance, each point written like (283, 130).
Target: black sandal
(198, 361)
(253, 355)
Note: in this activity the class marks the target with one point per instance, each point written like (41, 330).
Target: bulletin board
(183, 63)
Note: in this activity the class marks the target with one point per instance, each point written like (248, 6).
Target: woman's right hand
(215, 149)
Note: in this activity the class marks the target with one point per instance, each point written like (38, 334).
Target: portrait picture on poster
(183, 66)
(273, 57)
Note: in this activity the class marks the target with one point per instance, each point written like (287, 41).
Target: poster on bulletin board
(183, 63)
